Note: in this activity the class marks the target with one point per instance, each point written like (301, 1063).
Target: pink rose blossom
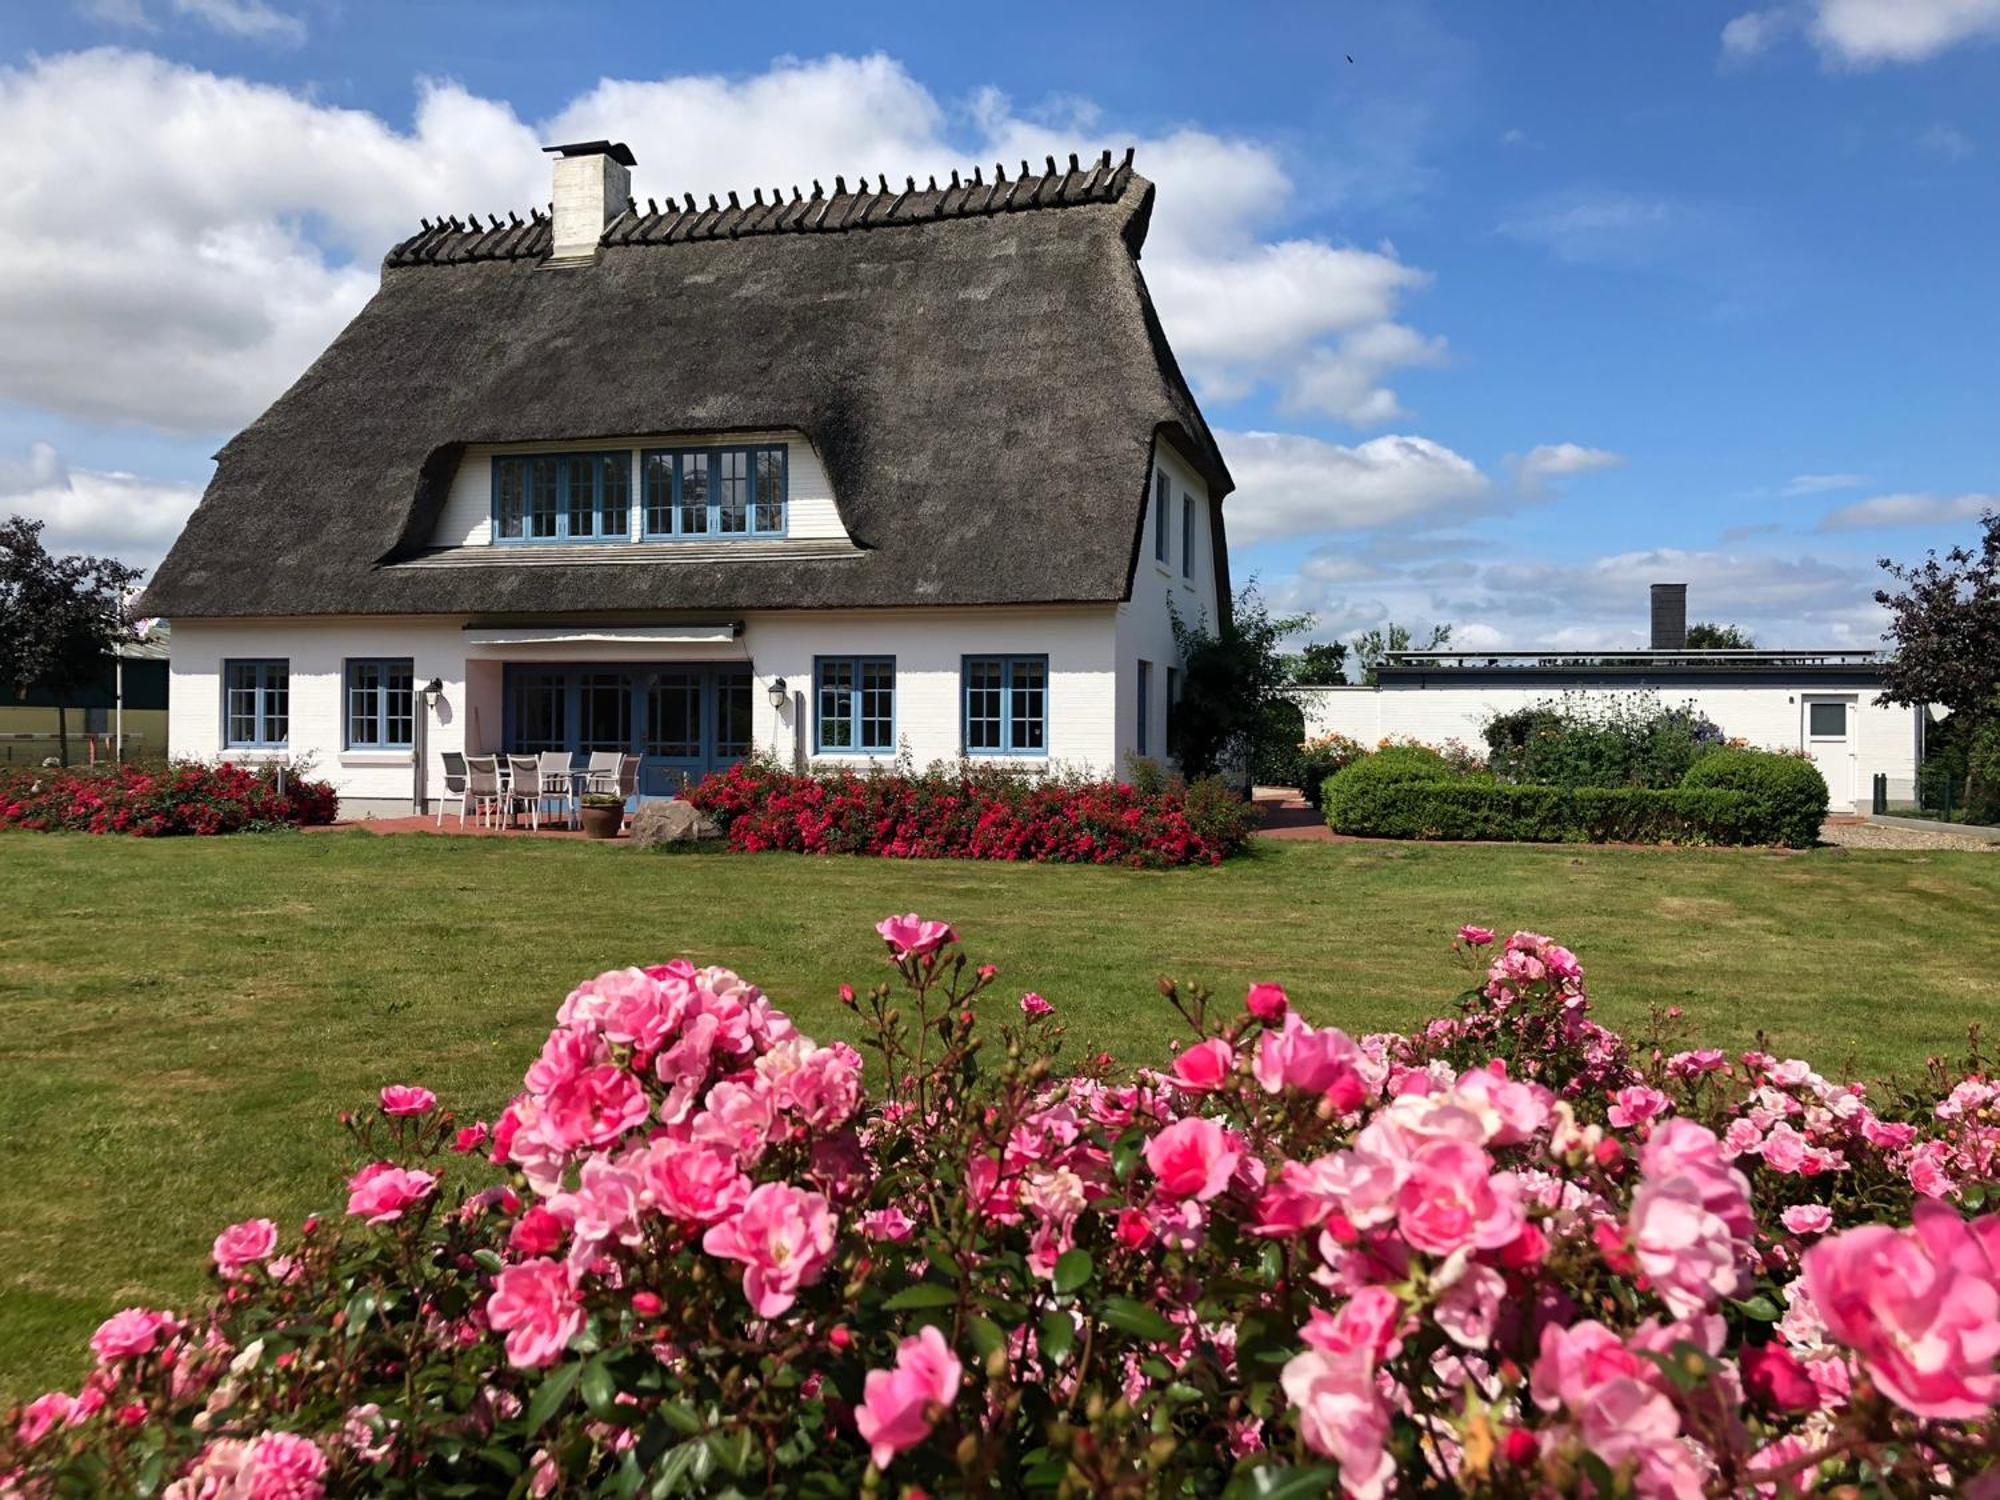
(131, 1333)
(281, 1466)
(1313, 1061)
(912, 937)
(535, 1304)
(1034, 1006)
(1470, 1306)
(783, 1237)
(42, 1415)
(895, 1410)
(1452, 1200)
(1475, 937)
(1193, 1158)
(1807, 1218)
(536, 1232)
(1342, 1416)
(241, 1245)
(594, 1107)
(890, 1225)
(1636, 1105)
(1369, 1322)
(1921, 1306)
(1267, 1002)
(694, 1184)
(384, 1192)
(407, 1099)
(1203, 1068)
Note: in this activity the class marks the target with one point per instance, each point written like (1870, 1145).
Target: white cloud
(1588, 226)
(1514, 136)
(1947, 141)
(1549, 461)
(1289, 485)
(1909, 510)
(115, 514)
(1820, 484)
(1866, 33)
(248, 20)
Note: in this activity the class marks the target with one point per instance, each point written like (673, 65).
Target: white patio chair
(482, 788)
(524, 789)
(602, 772)
(558, 784)
(628, 776)
(454, 786)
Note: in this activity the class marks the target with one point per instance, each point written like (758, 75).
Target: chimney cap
(618, 151)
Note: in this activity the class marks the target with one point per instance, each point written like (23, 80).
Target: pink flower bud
(1266, 1002)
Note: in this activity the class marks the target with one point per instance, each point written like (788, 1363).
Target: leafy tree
(1706, 635)
(1945, 622)
(1371, 647)
(1320, 664)
(1232, 685)
(59, 617)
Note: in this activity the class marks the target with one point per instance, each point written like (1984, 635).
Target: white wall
(1159, 590)
(467, 518)
(1770, 716)
(928, 645)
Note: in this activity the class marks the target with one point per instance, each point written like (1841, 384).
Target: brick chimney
(593, 183)
(1670, 616)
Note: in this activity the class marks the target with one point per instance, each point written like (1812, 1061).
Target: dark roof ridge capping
(984, 390)
(449, 240)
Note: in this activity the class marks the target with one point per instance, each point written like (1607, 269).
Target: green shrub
(1623, 741)
(1790, 793)
(1320, 757)
(1480, 808)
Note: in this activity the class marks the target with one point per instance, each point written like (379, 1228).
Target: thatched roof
(978, 365)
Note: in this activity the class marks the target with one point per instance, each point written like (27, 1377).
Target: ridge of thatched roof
(978, 367)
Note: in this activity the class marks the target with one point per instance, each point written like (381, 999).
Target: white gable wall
(1161, 589)
(467, 518)
(1771, 716)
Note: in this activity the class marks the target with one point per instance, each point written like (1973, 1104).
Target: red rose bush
(1510, 1255)
(186, 797)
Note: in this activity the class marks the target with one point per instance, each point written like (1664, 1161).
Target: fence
(84, 749)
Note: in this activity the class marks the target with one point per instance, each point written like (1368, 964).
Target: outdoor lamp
(776, 692)
(433, 690)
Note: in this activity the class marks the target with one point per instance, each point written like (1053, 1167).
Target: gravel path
(1879, 836)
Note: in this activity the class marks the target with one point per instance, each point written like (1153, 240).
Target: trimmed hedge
(1790, 793)
(1410, 793)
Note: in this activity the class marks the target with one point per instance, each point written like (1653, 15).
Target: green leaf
(551, 1394)
(489, 1260)
(599, 1390)
(1135, 1318)
(1760, 1307)
(1073, 1269)
(1973, 1195)
(1058, 1336)
(986, 1334)
(923, 1294)
(681, 1417)
(360, 1308)
(1286, 1484)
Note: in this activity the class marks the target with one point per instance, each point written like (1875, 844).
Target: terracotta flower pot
(602, 822)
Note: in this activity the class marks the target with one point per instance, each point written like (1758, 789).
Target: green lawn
(182, 1018)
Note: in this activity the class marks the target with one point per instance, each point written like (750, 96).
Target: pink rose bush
(1513, 1254)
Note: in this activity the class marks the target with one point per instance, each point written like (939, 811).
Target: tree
(1945, 623)
(1371, 647)
(59, 617)
(1319, 664)
(1233, 683)
(1705, 635)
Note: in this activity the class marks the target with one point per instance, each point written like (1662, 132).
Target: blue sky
(1522, 309)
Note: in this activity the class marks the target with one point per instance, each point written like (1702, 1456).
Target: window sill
(377, 758)
(256, 753)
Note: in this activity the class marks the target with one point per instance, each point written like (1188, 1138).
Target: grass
(180, 1020)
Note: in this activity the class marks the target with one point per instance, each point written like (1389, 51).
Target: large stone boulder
(670, 822)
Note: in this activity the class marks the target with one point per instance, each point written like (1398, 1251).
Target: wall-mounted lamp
(777, 693)
(433, 690)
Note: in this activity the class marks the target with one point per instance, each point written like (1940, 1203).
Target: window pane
(733, 492)
(1827, 720)
(580, 488)
(1145, 703)
(277, 678)
(541, 497)
(673, 716)
(399, 704)
(659, 494)
(694, 493)
(878, 705)
(240, 701)
(615, 495)
(770, 489)
(510, 471)
(1026, 688)
(1160, 517)
(538, 712)
(1187, 536)
(982, 703)
(836, 705)
(732, 713)
(364, 700)
(606, 706)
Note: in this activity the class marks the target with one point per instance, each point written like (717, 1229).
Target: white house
(1821, 702)
(834, 476)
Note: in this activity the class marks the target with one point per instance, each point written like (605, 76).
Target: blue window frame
(381, 704)
(1173, 699)
(855, 705)
(714, 492)
(562, 497)
(1187, 536)
(1145, 707)
(256, 704)
(1006, 705)
(1162, 491)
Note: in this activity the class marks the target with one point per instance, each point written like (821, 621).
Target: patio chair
(524, 789)
(482, 787)
(602, 772)
(454, 786)
(558, 782)
(628, 776)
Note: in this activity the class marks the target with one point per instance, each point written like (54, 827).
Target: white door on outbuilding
(1829, 730)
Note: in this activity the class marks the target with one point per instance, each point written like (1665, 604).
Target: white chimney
(593, 183)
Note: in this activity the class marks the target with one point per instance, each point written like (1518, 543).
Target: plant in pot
(602, 813)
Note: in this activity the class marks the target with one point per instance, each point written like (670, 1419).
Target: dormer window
(562, 497)
(715, 492)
